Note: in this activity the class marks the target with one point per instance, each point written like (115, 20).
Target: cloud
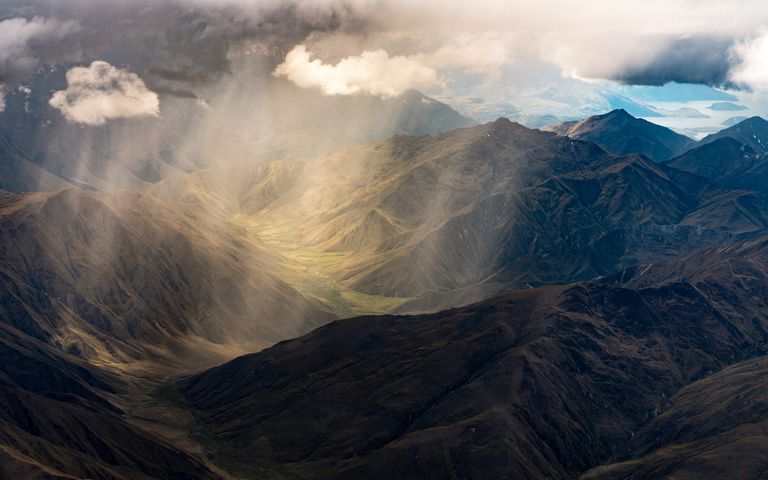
(684, 41)
(22, 40)
(751, 67)
(372, 72)
(101, 92)
(175, 45)
(647, 59)
(701, 59)
(185, 46)
(376, 72)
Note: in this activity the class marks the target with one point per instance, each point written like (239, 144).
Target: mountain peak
(752, 132)
(620, 133)
(618, 113)
(753, 121)
(503, 124)
(503, 121)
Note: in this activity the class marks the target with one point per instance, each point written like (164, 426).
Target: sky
(534, 61)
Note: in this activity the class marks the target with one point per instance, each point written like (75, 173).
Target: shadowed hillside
(733, 158)
(542, 383)
(59, 418)
(752, 132)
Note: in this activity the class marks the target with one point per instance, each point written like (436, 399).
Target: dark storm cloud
(26, 43)
(182, 74)
(176, 45)
(703, 60)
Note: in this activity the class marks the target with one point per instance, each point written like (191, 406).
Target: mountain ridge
(620, 133)
(752, 132)
(561, 375)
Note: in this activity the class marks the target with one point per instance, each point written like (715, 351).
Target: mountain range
(552, 382)
(581, 302)
(432, 222)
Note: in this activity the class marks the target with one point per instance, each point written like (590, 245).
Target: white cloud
(752, 67)
(375, 72)
(372, 72)
(101, 92)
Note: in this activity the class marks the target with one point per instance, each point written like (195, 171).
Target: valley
(310, 270)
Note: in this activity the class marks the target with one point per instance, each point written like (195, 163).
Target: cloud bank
(752, 66)
(101, 92)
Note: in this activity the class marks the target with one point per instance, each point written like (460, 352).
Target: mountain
(424, 222)
(706, 426)
(354, 212)
(103, 297)
(19, 173)
(59, 419)
(117, 294)
(752, 132)
(727, 162)
(126, 281)
(704, 432)
(620, 133)
(542, 383)
(632, 107)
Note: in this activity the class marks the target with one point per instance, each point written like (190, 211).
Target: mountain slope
(620, 133)
(609, 214)
(57, 420)
(475, 210)
(102, 299)
(126, 281)
(540, 383)
(752, 132)
(368, 205)
(705, 432)
(18, 173)
(727, 162)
